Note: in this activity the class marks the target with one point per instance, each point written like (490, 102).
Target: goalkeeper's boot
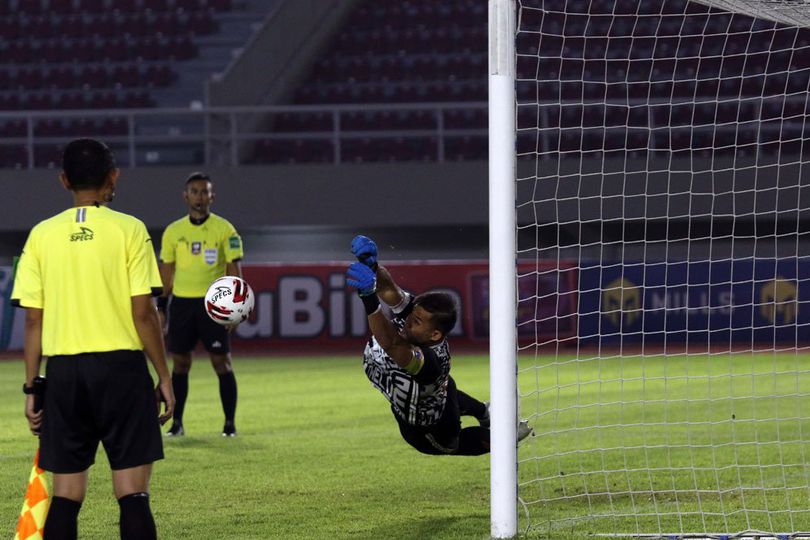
(523, 430)
(229, 429)
(176, 430)
(483, 421)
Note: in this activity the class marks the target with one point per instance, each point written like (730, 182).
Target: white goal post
(502, 283)
(649, 237)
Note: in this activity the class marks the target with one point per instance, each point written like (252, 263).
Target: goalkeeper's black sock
(469, 406)
(227, 393)
(180, 387)
(473, 441)
(62, 522)
(136, 522)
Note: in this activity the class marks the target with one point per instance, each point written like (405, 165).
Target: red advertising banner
(308, 307)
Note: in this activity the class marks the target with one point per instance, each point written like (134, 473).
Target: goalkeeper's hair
(87, 163)
(442, 308)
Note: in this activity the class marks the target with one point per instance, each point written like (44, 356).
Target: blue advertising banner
(719, 303)
(10, 333)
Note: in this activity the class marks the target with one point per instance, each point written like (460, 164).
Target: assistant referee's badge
(211, 255)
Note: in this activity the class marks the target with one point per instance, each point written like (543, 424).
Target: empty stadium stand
(396, 52)
(109, 54)
(682, 77)
(593, 75)
(57, 46)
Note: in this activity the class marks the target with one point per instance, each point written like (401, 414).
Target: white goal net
(663, 240)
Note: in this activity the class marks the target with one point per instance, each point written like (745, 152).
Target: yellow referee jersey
(199, 253)
(82, 267)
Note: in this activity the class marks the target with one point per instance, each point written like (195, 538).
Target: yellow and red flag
(35, 506)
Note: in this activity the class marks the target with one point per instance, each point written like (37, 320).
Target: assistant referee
(86, 278)
(195, 250)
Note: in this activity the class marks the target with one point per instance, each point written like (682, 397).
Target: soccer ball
(229, 300)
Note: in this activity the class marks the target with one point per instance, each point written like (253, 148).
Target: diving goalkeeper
(408, 360)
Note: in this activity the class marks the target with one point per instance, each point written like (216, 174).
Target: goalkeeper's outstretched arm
(365, 280)
(374, 284)
(387, 290)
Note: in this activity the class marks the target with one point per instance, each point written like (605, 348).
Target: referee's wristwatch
(27, 390)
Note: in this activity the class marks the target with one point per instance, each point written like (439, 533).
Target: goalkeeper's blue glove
(362, 278)
(365, 250)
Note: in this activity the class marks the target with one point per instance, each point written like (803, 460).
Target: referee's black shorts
(189, 323)
(106, 397)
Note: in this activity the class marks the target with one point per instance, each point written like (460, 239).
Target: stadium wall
(426, 193)
(389, 194)
(426, 210)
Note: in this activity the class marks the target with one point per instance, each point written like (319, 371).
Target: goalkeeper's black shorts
(443, 436)
(105, 397)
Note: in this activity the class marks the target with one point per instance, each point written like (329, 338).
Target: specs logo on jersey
(83, 235)
(196, 248)
(221, 293)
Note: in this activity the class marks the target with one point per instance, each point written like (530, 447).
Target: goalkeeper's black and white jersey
(416, 399)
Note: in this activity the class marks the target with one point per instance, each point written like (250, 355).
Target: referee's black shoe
(176, 430)
(229, 429)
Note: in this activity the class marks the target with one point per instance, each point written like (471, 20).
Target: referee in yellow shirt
(195, 250)
(86, 278)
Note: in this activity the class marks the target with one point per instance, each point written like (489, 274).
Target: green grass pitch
(318, 456)
(667, 444)
(625, 444)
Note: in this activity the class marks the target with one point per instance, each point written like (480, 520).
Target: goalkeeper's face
(420, 328)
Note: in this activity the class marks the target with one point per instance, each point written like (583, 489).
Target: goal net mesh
(663, 198)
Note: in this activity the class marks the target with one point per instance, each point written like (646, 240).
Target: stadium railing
(208, 135)
(351, 133)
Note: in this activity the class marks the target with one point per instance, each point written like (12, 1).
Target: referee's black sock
(63, 519)
(180, 387)
(227, 393)
(137, 522)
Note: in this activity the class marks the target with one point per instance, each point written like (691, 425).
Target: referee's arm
(32, 351)
(148, 327)
(32, 344)
(233, 268)
(166, 271)
(167, 277)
